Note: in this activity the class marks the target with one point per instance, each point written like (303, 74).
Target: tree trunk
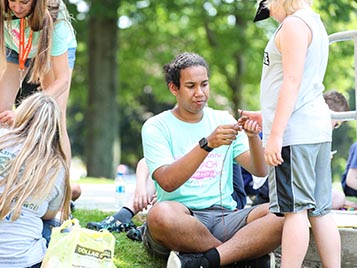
(102, 113)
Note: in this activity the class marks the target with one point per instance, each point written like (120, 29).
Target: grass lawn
(128, 253)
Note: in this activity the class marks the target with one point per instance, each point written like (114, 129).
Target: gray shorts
(13, 56)
(211, 217)
(303, 181)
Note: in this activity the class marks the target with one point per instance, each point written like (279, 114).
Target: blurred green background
(122, 45)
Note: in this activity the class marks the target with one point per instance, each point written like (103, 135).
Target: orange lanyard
(24, 50)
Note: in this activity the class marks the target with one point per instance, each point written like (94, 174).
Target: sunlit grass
(128, 253)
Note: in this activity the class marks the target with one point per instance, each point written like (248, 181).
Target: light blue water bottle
(120, 194)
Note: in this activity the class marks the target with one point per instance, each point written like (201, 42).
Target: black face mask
(262, 12)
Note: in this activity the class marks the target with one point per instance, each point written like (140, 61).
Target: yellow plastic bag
(72, 246)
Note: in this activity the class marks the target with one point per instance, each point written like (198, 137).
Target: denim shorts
(13, 56)
(47, 228)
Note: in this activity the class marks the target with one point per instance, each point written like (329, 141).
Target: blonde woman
(39, 39)
(34, 180)
(297, 132)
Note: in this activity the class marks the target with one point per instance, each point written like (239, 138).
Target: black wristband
(204, 145)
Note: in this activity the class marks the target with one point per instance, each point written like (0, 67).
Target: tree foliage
(151, 33)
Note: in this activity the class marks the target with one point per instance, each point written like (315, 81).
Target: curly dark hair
(172, 70)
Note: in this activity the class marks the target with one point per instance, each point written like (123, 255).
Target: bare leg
(76, 191)
(338, 199)
(171, 224)
(260, 236)
(130, 204)
(352, 204)
(327, 238)
(295, 239)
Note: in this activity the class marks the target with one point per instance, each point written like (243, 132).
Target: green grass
(128, 253)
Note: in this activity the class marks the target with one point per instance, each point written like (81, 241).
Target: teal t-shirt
(166, 139)
(63, 36)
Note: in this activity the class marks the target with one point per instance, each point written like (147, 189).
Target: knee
(161, 215)
(76, 191)
(338, 199)
(260, 211)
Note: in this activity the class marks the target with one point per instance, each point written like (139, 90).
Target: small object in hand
(242, 120)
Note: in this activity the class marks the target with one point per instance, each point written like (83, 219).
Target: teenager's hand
(7, 118)
(153, 199)
(141, 198)
(223, 135)
(253, 115)
(272, 152)
(250, 127)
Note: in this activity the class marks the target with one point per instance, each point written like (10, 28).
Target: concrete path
(102, 196)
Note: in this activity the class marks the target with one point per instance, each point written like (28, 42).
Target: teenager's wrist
(252, 135)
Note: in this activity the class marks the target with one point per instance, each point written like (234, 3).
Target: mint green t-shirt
(63, 36)
(166, 139)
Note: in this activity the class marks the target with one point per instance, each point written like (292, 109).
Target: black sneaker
(177, 260)
(111, 224)
(73, 206)
(266, 261)
(135, 234)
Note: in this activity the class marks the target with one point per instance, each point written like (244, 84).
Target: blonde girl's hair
(290, 6)
(42, 17)
(31, 175)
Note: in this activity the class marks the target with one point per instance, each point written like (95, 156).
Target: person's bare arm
(50, 214)
(7, 118)
(351, 179)
(57, 81)
(170, 177)
(292, 40)
(253, 115)
(141, 194)
(253, 159)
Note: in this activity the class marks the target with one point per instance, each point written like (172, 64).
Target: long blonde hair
(290, 6)
(32, 173)
(42, 16)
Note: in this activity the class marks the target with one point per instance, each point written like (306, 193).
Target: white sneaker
(173, 260)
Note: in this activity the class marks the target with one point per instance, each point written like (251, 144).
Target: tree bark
(102, 113)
